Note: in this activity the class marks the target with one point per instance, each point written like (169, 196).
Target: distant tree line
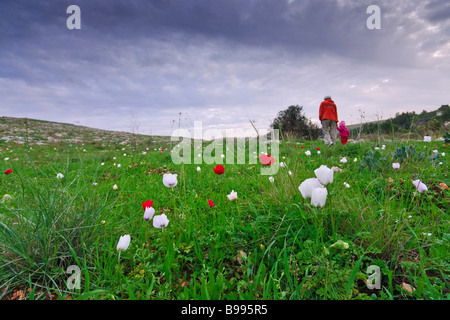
(406, 121)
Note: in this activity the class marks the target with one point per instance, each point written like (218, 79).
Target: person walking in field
(329, 119)
(343, 132)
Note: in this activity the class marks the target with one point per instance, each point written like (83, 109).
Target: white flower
(102, 164)
(282, 164)
(376, 148)
(346, 185)
(308, 153)
(435, 151)
(344, 160)
(421, 187)
(118, 166)
(94, 183)
(354, 160)
(290, 173)
(148, 213)
(319, 197)
(115, 187)
(426, 139)
(318, 151)
(144, 153)
(222, 156)
(232, 196)
(160, 221)
(383, 147)
(124, 242)
(6, 159)
(396, 165)
(324, 174)
(307, 186)
(199, 169)
(59, 176)
(271, 179)
(170, 180)
(443, 154)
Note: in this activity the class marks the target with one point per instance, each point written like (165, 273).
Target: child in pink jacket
(343, 132)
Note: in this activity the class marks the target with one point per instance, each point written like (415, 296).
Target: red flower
(211, 203)
(266, 160)
(219, 169)
(147, 204)
(8, 171)
(295, 146)
(317, 148)
(302, 147)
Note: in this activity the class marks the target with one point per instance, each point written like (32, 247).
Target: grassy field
(269, 243)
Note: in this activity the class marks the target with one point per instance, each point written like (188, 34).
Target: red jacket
(328, 110)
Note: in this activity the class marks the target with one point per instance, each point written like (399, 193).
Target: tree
(293, 123)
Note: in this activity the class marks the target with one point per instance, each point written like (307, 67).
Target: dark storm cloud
(224, 61)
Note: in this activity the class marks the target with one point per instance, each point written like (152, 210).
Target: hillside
(436, 120)
(48, 132)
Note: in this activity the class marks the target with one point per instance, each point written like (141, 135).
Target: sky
(153, 66)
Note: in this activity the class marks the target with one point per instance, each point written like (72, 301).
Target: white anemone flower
(421, 187)
(160, 221)
(148, 213)
(426, 139)
(324, 174)
(59, 176)
(307, 186)
(344, 160)
(308, 153)
(396, 165)
(124, 242)
(232, 196)
(319, 197)
(170, 180)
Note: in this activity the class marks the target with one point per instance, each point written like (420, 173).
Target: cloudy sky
(150, 66)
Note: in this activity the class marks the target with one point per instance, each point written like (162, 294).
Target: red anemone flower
(211, 203)
(219, 169)
(266, 160)
(147, 204)
(8, 171)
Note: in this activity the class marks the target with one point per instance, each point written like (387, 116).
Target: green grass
(270, 243)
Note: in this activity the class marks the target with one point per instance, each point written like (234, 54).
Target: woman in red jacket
(329, 119)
